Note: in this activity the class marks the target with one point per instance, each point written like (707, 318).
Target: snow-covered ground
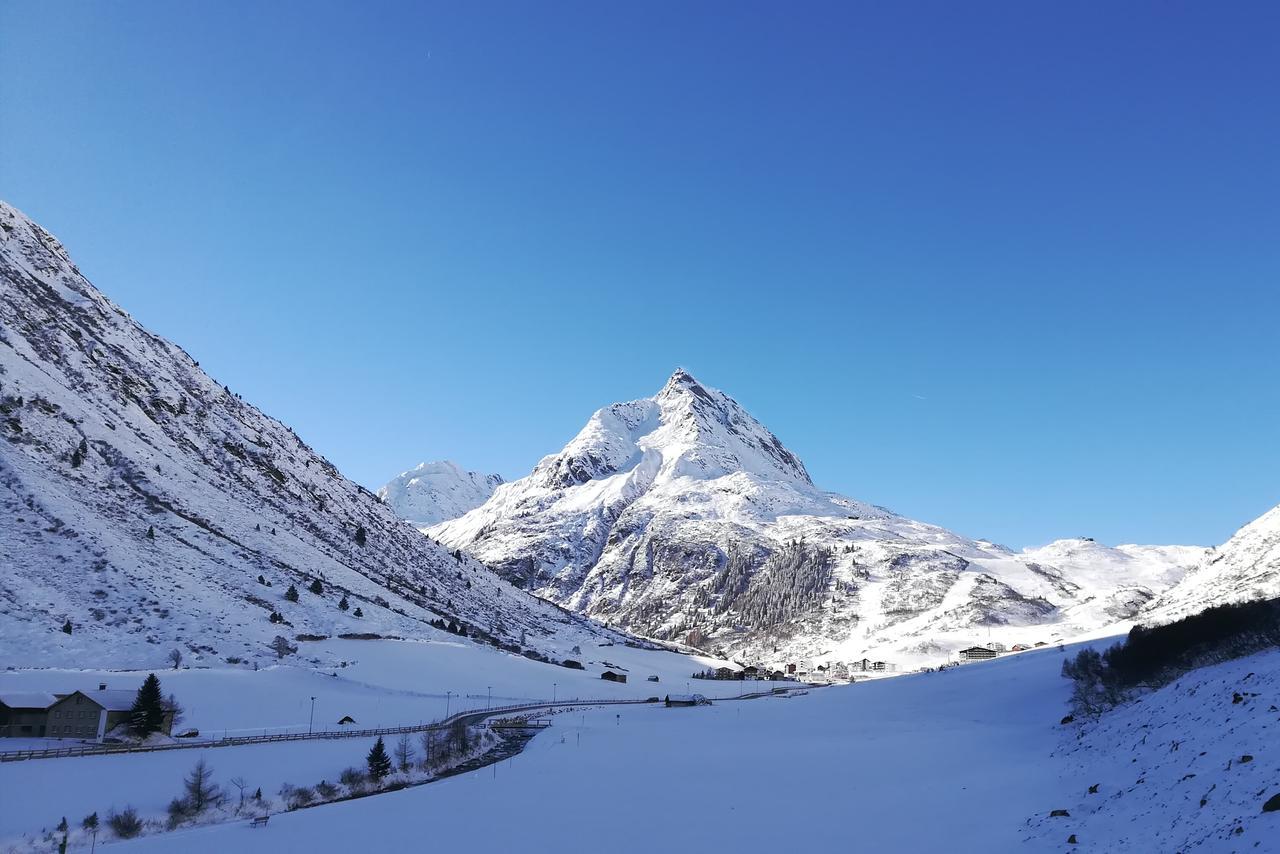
(1187, 767)
(385, 683)
(971, 759)
(953, 761)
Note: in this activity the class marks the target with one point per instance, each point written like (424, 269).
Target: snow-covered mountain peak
(685, 430)
(434, 492)
(682, 517)
(717, 436)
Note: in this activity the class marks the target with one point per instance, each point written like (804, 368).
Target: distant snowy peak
(435, 492)
(1156, 566)
(688, 429)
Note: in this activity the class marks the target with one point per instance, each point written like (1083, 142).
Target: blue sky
(1011, 268)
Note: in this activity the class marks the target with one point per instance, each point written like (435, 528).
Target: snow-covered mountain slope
(681, 516)
(140, 502)
(431, 493)
(1247, 566)
(1185, 768)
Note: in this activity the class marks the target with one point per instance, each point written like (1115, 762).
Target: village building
(610, 676)
(685, 700)
(1021, 647)
(24, 714)
(85, 715)
(996, 646)
(977, 653)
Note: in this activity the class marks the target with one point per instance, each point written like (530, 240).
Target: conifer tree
(362, 535)
(316, 587)
(66, 627)
(200, 789)
(147, 714)
(344, 604)
(379, 762)
(291, 594)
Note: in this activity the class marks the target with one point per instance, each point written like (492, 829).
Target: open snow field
(385, 683)
(894, 765)
(967, 760)
(390, 683)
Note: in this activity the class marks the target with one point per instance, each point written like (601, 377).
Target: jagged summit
(686, 430)
(681, 516)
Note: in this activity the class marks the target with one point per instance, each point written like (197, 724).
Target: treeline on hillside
(1151, 657)
(790, 582)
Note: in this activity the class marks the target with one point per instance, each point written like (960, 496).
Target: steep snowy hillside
(1185, 768)
(431, 493)
(681, 516)
(141, 502)
(1247, 566)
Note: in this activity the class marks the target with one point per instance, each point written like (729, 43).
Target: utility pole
(312, 721)
(447, 695)
(553, 692)
(489, 703)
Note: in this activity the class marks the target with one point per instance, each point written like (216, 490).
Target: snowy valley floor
(967, 760)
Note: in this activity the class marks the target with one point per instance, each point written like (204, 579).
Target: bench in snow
(260, 821)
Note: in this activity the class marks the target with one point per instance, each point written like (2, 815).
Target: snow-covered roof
(112, 699)
(27, 699)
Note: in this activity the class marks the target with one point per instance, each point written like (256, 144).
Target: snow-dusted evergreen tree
(378, 761)
(147, 714)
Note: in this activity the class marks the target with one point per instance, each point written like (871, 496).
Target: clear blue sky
(1013, 268)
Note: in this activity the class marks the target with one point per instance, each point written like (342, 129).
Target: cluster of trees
(1151, 657)
(452, 627)
(200, 793)
(790, 582)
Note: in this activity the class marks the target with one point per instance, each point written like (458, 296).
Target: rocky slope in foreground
(141, 502)
(681, 516)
